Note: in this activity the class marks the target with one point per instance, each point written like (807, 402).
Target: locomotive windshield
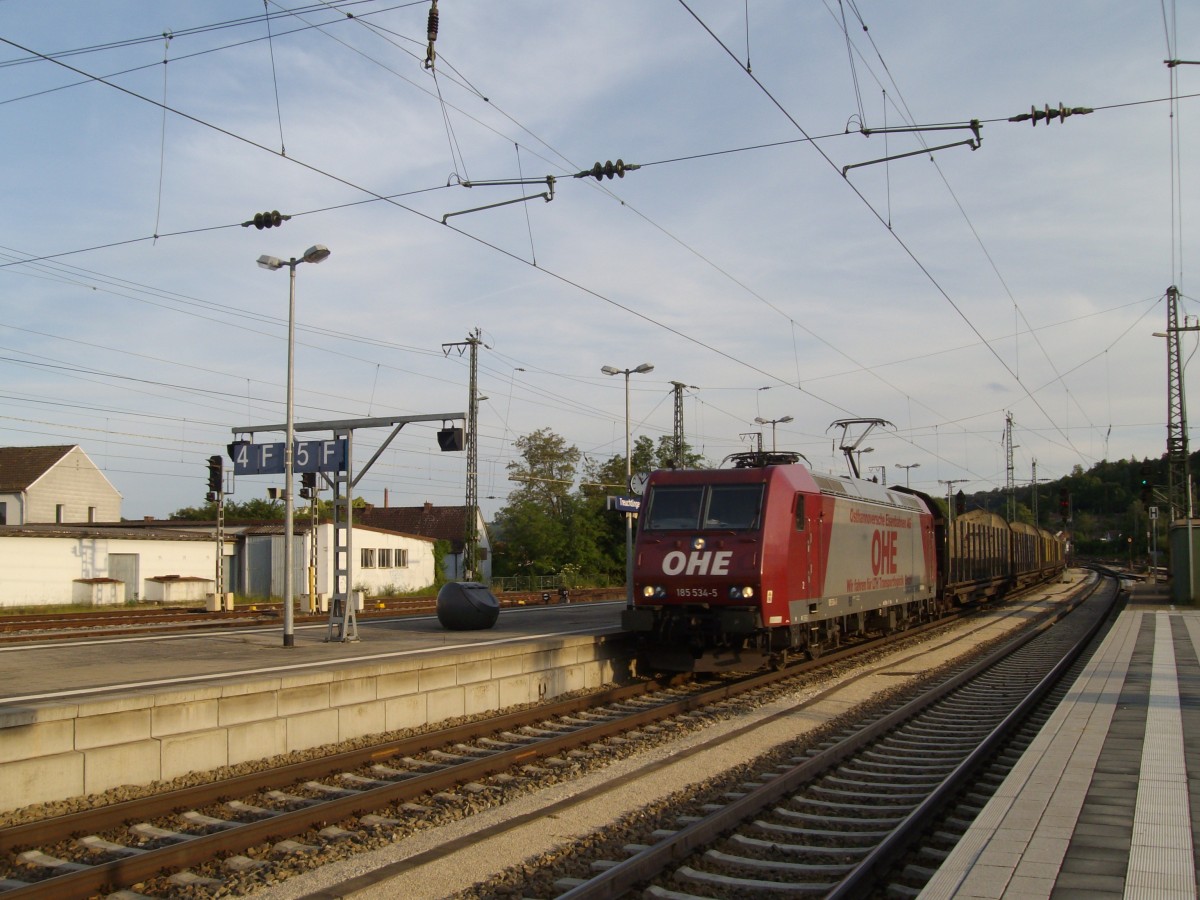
(726, 507)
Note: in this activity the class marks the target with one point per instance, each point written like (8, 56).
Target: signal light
(1064, 503)
(216, 474)
(308, 484)
(450, 439)
(960, 503)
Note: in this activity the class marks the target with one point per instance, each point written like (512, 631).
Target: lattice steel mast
(1177, 440)
(1010, 485)
(679, 438)
(471, 510)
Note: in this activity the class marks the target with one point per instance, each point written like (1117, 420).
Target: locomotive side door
(800, 556)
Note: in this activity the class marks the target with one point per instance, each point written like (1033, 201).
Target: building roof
(442, 523)
(268, 529)
(106, 532)
(22, 466)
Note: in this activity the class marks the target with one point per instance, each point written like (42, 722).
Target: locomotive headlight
(648, 591)
(740, 593)
(654, 592)
(747, 592)
(698, 543)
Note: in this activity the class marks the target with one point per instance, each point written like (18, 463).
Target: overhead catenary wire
(793, 323)
(891, 231)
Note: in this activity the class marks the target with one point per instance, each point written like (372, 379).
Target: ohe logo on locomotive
(706, 562)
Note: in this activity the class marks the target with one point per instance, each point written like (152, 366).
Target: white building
(385, 561)
(47, 565)
(54, 485)
(444, 523)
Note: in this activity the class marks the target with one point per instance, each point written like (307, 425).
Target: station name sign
(625, 504)
(307, 456)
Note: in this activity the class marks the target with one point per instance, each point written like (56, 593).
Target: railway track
(371, 792)
(25, 627)
(209, 837)
(847, 818)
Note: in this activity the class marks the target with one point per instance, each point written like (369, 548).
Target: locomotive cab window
(799, 512)
(733, 506)
(718, 507)
(674, 508)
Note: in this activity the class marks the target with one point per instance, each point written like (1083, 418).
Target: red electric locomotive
(735, 568)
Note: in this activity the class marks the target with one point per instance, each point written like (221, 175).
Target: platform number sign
(1153, 512)
(308, 456)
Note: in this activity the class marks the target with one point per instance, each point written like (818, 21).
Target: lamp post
(613, 370)
(906, 467)
(772, 423)
(314, 254)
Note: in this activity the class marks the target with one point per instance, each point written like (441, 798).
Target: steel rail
(624, 876)
(130, 870)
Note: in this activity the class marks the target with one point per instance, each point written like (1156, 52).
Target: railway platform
(84, 716)
(1104, 802)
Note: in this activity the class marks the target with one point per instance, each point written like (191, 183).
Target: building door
(258, 565)
(124, 567)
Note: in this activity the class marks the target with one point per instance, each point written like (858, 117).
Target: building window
(3, 513)
(91, 514)
(367, 558)
(401, 559)
(385, 557)
(58, 514)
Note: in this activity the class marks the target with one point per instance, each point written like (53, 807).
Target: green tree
(325, 508)
(664, 455)
(534, 527)
(253, 510)
(545, 473)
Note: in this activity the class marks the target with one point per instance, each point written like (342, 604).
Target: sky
(941, 290)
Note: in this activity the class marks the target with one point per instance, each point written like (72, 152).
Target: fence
(551, 582)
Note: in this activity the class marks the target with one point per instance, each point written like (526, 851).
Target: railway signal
(216, 476)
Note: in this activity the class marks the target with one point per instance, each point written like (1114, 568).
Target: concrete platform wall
(55, 751)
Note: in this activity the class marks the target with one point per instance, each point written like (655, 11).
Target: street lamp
(772, 423)
(641, 370)
(314, 254)
(906, 467)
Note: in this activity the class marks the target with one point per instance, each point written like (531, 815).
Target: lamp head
(316, 253)
(784, 419)
(610, 370)
(644, 368)
(760, 420)
(270, 262)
